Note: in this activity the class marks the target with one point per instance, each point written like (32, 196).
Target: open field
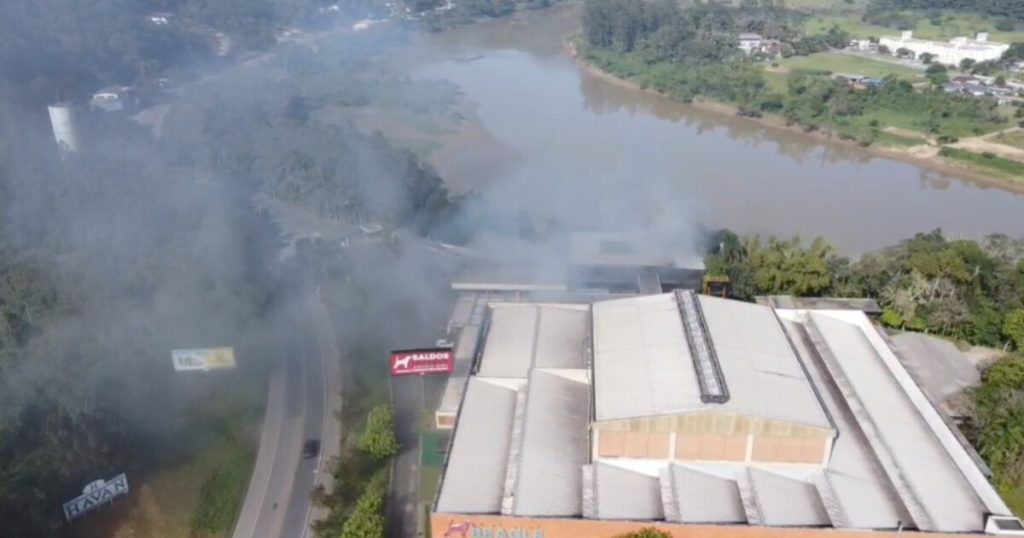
(845, 63)
(895, 140)
(953, 25)
(1014, 139)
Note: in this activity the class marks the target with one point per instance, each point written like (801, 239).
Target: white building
(683, 410)
(956, 50)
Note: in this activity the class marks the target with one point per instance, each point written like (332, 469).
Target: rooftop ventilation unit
(702, 350)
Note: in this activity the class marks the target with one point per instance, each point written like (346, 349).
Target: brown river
(557, 140)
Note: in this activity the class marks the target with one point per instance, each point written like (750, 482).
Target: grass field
(986, 162)
(1015, 499)
(953, 25)
(844, 63)
(1015, 139)
(890, 139)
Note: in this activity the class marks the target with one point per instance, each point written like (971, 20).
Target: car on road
(311, 448)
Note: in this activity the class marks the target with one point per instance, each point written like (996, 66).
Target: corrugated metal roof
(701, 497)
(525, 336)
(555, 445)
(476, 467)
(787, 502)
(858, 481)
(624, 494)
(926, 476)
(642, 364)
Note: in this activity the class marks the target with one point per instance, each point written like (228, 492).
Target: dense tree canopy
(996, 8)
(963, 289)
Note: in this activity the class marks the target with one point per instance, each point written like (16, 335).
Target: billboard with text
(211, 358)
(439, 360)
(95, 495)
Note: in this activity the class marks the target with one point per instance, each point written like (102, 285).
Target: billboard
(212, 358)
(438, 360)
(95, 495)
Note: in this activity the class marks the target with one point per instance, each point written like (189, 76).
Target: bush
(367, 519)
(378, 439)
(648, 532)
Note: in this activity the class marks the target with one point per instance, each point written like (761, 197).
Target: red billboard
(438, 360)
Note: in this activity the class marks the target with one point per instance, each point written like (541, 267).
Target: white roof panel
(624, 494)
(508, 351)
(701, 497)
(476, 468)
(923, 467)
(787, 502)
(642, 364)
(555, 446)
(525, 336)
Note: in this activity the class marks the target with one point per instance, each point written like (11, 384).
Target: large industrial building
(958, 49)
(579, 416)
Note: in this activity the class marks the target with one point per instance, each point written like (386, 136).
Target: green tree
(966, 64)
(367, 518)
(378, 439)
(1013, 327)
(937, 74)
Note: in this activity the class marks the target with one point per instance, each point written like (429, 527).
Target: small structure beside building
(159, 18)
(956, 50)
(114, 99)
(752, 44)
(863, 45)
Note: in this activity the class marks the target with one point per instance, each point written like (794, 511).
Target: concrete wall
(455, 525)
(712, 437)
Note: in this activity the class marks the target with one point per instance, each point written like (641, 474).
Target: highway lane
(295, 522)
(277, 503)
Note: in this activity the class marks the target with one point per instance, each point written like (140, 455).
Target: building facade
(956, 50)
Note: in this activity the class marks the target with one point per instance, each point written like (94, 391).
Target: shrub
(378, 439)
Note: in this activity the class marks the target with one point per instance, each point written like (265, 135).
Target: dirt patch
(990, 144)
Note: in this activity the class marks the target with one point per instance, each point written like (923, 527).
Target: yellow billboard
(210, 358)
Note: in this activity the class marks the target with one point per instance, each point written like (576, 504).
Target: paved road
(277, 503)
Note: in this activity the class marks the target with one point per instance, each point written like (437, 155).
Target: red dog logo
(461, 530)
(403, 363)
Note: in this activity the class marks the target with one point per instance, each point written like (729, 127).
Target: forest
(690, 53)
(993, 8)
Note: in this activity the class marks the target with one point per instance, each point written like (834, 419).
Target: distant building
(863, 45)
(159, 19)
(113, 99)
(703, 417)
(953, 52)
(755, 43)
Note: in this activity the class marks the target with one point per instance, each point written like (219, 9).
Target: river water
(568, 145)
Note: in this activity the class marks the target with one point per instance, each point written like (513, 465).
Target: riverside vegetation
(691, 52)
